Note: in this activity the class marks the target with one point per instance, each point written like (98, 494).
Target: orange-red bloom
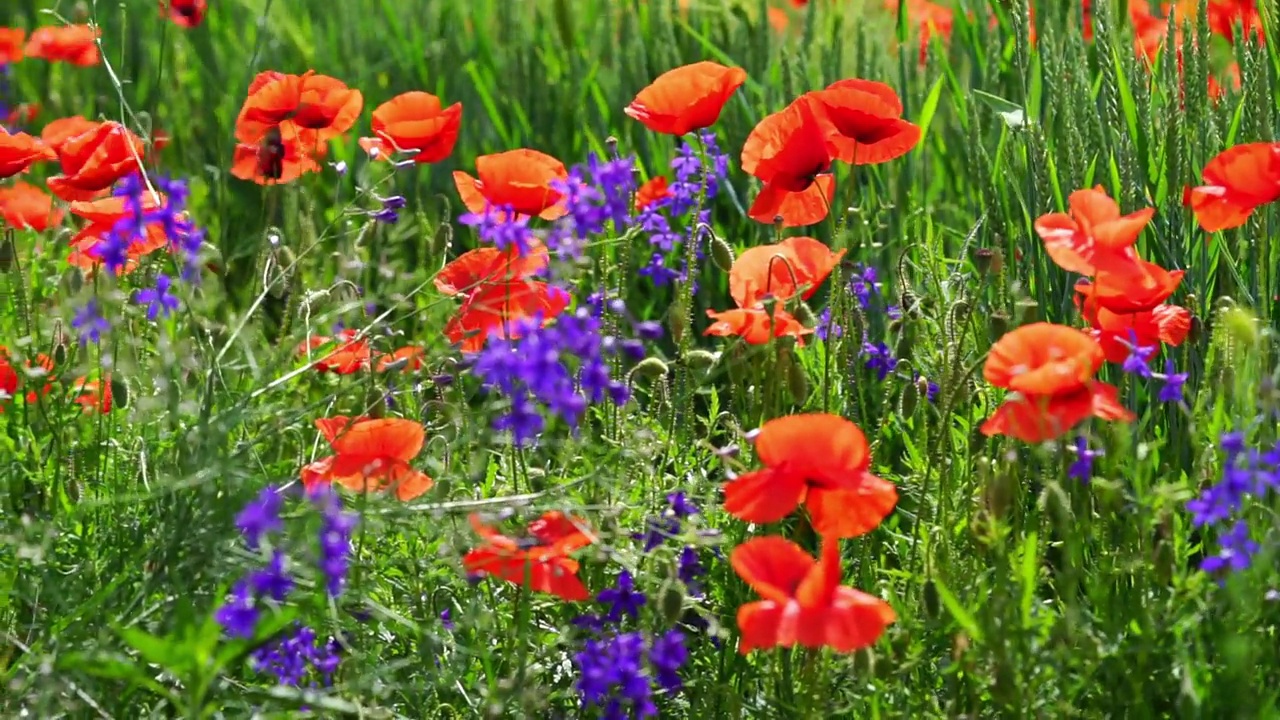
(415, 123)
(488, 266)
(1093, 234)
(686, 98)
(370, 455)
(11, 42)
(351, 356)
(931, 17)
(654, 190)
(503, 310)
(1117, 333)
(75, 44)
(94, 160)
(1049, 371)
(540, 561)
(781, 271)
(1128, 287)
(57, 133)
(275, 160)
(93, 395)
(754, 325)
(185, 13)
(818, 460)
(23, 206)
(19, 151)
(8, 378)
(308, 109)
(803, 601)
(1236, 182)
(519, 180)
(863, 122)
(103, 215)
(788, 152)
(408, 359)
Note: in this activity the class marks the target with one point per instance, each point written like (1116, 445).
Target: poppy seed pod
(721, 254)
(988, 261)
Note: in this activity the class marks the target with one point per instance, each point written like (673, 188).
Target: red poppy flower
(1094, 233)
(57, 133)
(930, 17)
(416, 123)
(540, 561)
(517, 179)
(408, 359)
(863, 122)
(487, 266)
(503, 311)
(818, 460)
(803, 601)
(185, 13)
(93, 161)
(370, 455)
(23, 205)
(1128, 287)
(788, 152)
(1049, 370)
(11, 42)
(275, 160)
(103, 215)
(1238, 180)
(351, 356)
(23, 114)
(19, 151)
(654, 190)
(1117, 332)
(93, 395)
(753, 325)
(75, 44)
(41, 369)
(781, 271)
(686, 98)
(8, 379)
(309, 109)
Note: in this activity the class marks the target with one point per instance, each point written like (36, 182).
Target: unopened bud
(699, 359)
(931, 599)
(1028, 311)
(119, 393)
(1242, 325)
(1196, 333)
(672, 601)
(907, 402)
(797, 381)
(721, 253)
(650, 368)
(72, 281)
(998, 325)
(922, 387)
(8, 252)
(997, 493)
(611, 145)
(906, 343)
(805, 315)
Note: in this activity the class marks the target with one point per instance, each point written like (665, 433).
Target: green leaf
(1011, 113)
(164, 652)
(958, 612)
(930, 107)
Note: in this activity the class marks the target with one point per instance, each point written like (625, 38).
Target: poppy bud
(119, 393)
(922, 386)
(998, 325)
(1226, 302)
(910, 303)
(72, 281)
(907, 402)
(906, 343)
(8, 253)
(1241, 325)
(797, 381)
(677, 321)
(672, 602)
(805, 315)
(700, 359)
(1028, 310)
(59, 353)
(650, 368)
(997, 491)
(441, 241)
(931, 599)
(988, 261)
(721, 253)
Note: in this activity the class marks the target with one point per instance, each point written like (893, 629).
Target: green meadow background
(1020, 592)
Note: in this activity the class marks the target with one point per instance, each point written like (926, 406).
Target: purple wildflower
(623, 599)
(239, 615)
(1137, 363)
(1236, 551)
(159, 300)
(879, 358)
(667, 654)
(90, 323)
(335, 540)
(1082, 468)
(260, 517)
(612, 676)
(1171, 390)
